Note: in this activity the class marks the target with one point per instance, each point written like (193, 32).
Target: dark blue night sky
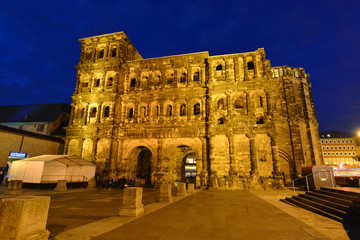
(39, 43)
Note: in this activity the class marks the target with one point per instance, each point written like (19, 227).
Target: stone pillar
(14, 187)
(191, 188)
(275, 154)
(165, 193)
(61, 186)
(132, 202)
(253, 153)
(181, 189)
(24, 217)
(231, 154)
(204, 170)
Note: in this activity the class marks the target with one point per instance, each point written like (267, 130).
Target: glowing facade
(226, 121)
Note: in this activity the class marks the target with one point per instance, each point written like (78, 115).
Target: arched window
(260, 102)
(183, 110)
(113, 52)
(110, 82)
(239, 103)
(101, 53)
(250, 65)
(221, 120)
(106, 112)
(260, 120)
(97, 82)
(131, 113)
(133, 83)
(170, 79)
(183, 78)
(197, 109)
(196, 77)
(156, 81)
(219, 67)
(220, 104)
(93, 112)
(169, 110)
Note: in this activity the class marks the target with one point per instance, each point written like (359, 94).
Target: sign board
(18, 155)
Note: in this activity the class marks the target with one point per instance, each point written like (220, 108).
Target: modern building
(46, 119)
(17, 144)
(223, 121)
(338, 148)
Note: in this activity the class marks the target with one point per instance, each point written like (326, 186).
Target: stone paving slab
(216, 215)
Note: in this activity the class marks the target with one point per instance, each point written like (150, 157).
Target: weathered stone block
(181, 189)
(132, 202)
(61, 186)
(24, 217)
(14, 188)
(191, 188)
(165, 193)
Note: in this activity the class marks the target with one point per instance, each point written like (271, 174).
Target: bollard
(14, 187)
(132, 202)
(191, 188)
(181, 189)
(24, 217)
(165, 193)
(61, 186)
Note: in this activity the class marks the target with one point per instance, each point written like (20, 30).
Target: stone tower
(220, 121)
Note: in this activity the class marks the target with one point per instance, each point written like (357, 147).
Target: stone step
(344, 192)
(312, 209)
(331, 198)
(326, 202)
(337, 195)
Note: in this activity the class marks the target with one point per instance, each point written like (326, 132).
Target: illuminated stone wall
(245, 121)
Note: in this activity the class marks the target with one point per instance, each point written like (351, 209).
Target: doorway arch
(141, 164)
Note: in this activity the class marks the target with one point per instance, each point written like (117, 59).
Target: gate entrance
(143, 166)
(190, 168)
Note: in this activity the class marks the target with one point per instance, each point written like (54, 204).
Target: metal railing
(69, 178)
(311, 174)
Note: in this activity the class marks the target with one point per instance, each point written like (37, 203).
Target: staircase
(339, 205)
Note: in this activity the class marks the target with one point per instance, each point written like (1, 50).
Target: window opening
(85, 84)
(197, 109)
(97, 82)
(169, 110)
(131, 113)
(250, 65)
(93, 113)
(107, 112)
(221, 120)
(260, 120)
(170, 79)
(133, 83)
(219, 67)
(110, 82)
(239, 103)
(143, 112)
(220, 104)
(196, 77)
(183, 78)
(101, 53)
(113, 52)
(183, 110)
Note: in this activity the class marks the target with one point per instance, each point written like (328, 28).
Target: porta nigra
(227, 121)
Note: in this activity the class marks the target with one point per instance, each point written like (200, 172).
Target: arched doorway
(183, 164)
(140, 164)
(143, 168)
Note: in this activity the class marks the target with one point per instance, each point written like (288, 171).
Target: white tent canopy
(51, 168)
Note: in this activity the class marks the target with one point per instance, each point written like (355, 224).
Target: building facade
(338, 148)
(235, 119)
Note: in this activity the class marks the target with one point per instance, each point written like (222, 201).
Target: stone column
(61, 186)
(181, 189)
(275, 154)
(191, 188)
(231, 154)
(24, 217)
(165, 193)
(132, 202)
(253, 153)
(14, 188)
(204, 172)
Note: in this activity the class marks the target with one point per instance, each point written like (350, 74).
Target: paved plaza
(206, 214)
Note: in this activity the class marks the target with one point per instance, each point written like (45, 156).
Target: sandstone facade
(245, 121)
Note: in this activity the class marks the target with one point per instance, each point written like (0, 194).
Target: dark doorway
(143, 169)
(189, 168)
